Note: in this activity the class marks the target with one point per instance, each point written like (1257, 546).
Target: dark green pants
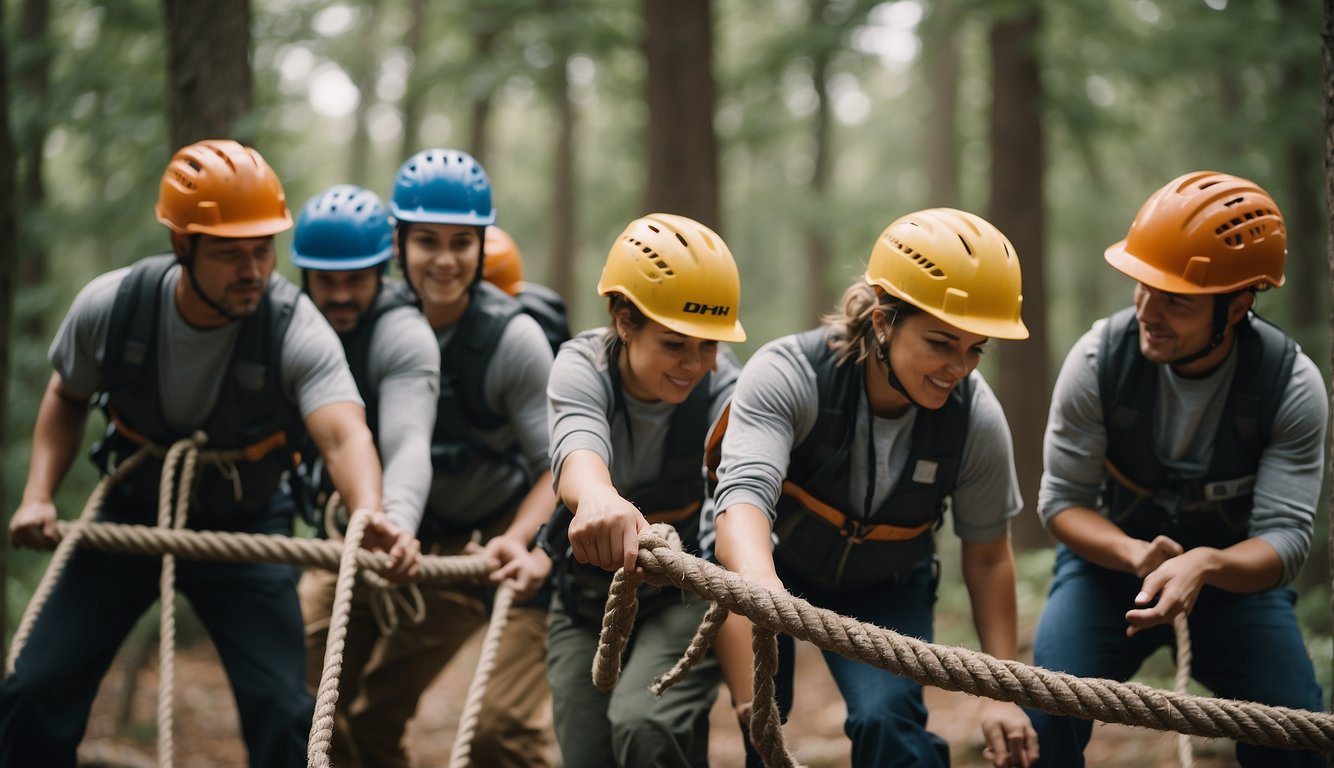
(630, 726)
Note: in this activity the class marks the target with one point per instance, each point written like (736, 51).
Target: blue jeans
(886, 713)
(1246, 647)
(250, 611)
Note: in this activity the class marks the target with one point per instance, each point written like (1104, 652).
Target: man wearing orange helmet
(207, 339)
(1183, 462)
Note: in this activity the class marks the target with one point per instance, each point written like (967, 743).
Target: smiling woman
(629, 408)
(843, 445)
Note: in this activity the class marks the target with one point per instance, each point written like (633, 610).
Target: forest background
(796, 128)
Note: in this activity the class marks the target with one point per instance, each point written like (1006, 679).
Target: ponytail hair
(850, 325)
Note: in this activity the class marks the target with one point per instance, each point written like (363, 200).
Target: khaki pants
(384, 676)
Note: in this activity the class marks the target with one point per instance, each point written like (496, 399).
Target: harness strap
(855, 530)
(674, 515)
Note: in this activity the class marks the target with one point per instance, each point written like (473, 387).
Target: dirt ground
(206, 731)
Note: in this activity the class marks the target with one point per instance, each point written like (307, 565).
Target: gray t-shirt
(513, 386)
(1287, 482)
(775, 409)
(583, 417)
(404, 366)
(192, 361)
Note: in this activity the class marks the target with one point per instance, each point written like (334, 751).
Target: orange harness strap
(674, 515)
(855, 530)
(252, 453)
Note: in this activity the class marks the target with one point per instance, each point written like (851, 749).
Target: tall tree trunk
(942, 64)
(367, 74)
(564, 205)
(33, 81)
(208, 64)
(410, 107)
(1017, 167)
(1302, 212)
(818, 251)
(679, 91)
(484, 43)
(8, 268)
(1327, 39)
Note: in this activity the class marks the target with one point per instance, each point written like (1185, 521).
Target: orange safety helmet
(504, 264)
(955, 266)
(1205, 233)
(221, 188)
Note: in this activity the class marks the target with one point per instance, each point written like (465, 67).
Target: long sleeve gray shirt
(1188, 411)
(580, 410)
(404, 367)
(514, 386)
(776, 405)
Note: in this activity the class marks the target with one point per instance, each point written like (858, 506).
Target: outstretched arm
(56, 437)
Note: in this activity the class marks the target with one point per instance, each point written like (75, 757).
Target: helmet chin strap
(1221, 304)
(882, 354)
(188, 266)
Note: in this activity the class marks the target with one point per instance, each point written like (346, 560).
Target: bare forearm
(56, 438)
(1096, 539)
(535, 510)
(744, 543)
(340, 432)
(1249, 566)
(988, 573)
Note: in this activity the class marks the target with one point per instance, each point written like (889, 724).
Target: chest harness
(1139, 491)
(251, 415)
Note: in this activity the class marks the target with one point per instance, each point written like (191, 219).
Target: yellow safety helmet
(678, 272)
(955, 266)
(1203, 233)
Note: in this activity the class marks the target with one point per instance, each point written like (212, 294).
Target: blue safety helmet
(442, 186)
(344, 227)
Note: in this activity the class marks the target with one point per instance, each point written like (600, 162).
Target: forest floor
(206, 730)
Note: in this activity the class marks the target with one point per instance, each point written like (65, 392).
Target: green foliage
(1136, 91)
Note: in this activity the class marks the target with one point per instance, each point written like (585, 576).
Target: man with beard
(343, 244)
(206, 339)
(1183, 461)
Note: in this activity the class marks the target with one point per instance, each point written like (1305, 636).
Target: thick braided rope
(709, 627)
(228, 546)
(461, 755)
(1181, 627)
(71, 533)
(958, 669)
(182, 453)
(617, 621)
(766, 723)
(321, 727)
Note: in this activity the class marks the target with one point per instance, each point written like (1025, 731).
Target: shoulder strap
(465, 359)
(1265, 359)
(133, 328)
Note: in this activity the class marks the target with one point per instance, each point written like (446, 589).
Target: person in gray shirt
(212, 339)
(489, 479)
(343, 244)
(1183, 461)
(630, 407)
(843, 448)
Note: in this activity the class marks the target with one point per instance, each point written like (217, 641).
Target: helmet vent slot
(1231, 232)
(927, 265)
(965, 245)
(656, 267)
(684, 244)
